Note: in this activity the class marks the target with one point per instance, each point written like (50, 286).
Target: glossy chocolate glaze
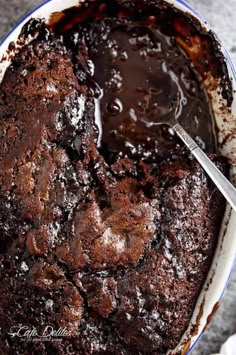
(146, 79)
(143, 73)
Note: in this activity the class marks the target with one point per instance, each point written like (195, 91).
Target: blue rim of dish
(23, 19)
(233, 70)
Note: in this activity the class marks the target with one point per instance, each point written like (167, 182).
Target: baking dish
(225, 121)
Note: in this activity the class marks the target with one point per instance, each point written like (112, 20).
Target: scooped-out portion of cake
(108, 226)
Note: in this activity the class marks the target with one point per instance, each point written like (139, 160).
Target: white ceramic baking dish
(219, 274)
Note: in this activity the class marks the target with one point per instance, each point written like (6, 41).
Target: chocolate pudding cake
(108, 226)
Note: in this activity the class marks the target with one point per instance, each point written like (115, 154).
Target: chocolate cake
(108, 226)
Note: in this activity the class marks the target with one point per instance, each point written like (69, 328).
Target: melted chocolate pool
(141, 75)
(146, 78)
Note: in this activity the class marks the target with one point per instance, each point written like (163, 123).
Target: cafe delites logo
(48, 333)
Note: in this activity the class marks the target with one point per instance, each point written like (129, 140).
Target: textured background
(220, 14)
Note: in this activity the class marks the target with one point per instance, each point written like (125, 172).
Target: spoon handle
(223, 184)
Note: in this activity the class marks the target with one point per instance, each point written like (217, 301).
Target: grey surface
(220, 14)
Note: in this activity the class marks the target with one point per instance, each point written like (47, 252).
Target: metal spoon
(223, 184)
(170, 116)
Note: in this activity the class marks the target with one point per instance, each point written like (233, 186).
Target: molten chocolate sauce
(143, 73)
(146, 79)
